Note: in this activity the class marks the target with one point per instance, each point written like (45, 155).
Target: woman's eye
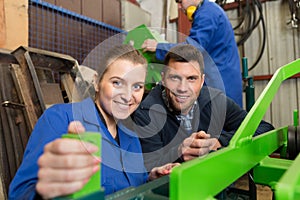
(138, 87)
(117, 83)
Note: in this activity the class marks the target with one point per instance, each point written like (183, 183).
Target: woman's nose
(126, 95)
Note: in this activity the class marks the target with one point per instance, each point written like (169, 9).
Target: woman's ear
(95, 82)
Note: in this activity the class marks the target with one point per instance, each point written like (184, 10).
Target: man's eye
(174, 78)
(192, 78)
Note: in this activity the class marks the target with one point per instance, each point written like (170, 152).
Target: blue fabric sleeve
(46, 129)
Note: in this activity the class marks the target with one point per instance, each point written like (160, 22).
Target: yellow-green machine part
(136, 37)
(205, 177)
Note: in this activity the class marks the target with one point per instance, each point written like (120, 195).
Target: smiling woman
(120, 91)
(121, 87)
(55, 166)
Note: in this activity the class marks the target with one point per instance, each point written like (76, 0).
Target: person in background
(53, 166)
(212, 31)
(181, 119)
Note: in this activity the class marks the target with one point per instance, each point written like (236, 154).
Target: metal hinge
(13, 105)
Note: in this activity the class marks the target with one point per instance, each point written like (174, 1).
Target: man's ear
(203, 78)
(162, 78)
(95, 82)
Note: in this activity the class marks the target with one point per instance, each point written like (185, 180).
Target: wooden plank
(24, 90)
(72, 5)
(2, 24)
(51, 94)
(112, 13)
(92, 9)
(3, 194)
(51, 1)
(70, 88)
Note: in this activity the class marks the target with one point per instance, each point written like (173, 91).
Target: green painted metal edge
(204, 178)
(258, 110)
(288, 187)
(270, 170)
(296, 117)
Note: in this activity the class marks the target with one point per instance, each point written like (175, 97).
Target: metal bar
(13, 105)
(268, 77)
(204, 178)
(288, 187)
(258, 110)
(145, 189)
(23, 91)
(296, 118)
(35, 80)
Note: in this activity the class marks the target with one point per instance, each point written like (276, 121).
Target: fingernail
(91, 148)
(86, 180)
(97, 160)
(96, 168)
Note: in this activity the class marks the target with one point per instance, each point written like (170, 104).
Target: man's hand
(149, 45)
(66, 165)
(198, 144)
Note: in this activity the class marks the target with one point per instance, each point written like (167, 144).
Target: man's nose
(182, 86)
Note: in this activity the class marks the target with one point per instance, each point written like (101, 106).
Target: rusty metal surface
(6, 57)
(47, 59)
(14, 131)
(24, 74)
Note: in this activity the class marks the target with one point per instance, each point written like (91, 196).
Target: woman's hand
(157, 172)
(66, 165)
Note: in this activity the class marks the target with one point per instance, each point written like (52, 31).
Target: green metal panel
(270, 170)
(288, 187)
(94, 184)
(296, 118)
(136, 37)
